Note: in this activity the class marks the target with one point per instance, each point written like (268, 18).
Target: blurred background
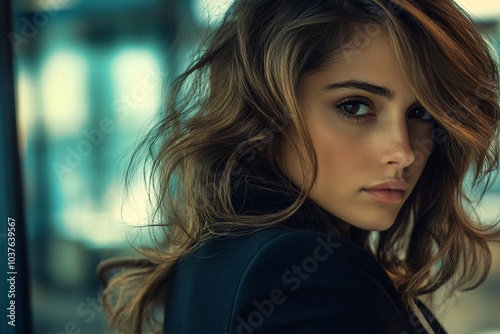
(89, 76)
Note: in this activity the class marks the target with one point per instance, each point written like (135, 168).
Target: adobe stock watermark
(31, 26)
(423, 149)
(11, 271)
(363, 37)
(87, 312)
(122, 107)
(293, 278)
(364, 34)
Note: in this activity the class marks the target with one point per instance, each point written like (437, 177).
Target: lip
(390, 192)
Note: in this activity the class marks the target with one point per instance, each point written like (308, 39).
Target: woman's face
(371, 137)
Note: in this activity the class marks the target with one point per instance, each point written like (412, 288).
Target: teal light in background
(91, 106)
(64, 92)
(482, 10)
(211, 12)
(137, 78)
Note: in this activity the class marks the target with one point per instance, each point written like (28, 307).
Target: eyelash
(358, 100)
(353, 100)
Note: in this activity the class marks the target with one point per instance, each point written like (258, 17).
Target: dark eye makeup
(355, 108)
(359, 109)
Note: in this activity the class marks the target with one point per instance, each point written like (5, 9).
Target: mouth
(390, 192)
(389, 196)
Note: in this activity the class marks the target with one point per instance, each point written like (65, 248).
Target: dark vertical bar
(15, 307)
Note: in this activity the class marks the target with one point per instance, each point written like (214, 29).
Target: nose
(397, 145)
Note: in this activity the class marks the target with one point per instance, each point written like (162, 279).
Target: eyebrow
(371, 88)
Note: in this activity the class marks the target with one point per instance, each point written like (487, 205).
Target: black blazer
(284, 280)
(277, 281)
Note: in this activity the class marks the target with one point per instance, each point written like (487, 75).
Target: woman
(310, 180)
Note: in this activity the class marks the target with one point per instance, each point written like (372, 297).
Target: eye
(354, 108)
(420, 113)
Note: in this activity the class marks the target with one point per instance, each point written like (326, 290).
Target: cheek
(339, 146)
(340, 150)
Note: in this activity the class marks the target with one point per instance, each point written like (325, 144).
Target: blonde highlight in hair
(230, 108)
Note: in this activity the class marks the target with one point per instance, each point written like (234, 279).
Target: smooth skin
(367, 128)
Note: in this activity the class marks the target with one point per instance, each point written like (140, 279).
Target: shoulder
(281, 247)
(312, 246)
(270, 250)
(278, 281)
(310, 250)
(315, 282)
(294, 257)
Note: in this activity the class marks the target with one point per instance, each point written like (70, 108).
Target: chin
(379, 225)
(382, 228)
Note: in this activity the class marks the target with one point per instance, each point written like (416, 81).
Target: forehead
(365, 59)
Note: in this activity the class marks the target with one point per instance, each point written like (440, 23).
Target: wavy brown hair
(231, 107)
